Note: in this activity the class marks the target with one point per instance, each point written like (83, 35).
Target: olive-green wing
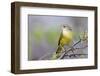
(60, 38)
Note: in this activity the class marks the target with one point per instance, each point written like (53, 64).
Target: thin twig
(76, 43)
(75, 55)
(81, 47)
(66, 51)
(72, 48)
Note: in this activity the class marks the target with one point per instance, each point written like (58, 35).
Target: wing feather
(60, 38)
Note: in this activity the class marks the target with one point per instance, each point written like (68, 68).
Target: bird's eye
(64, 26)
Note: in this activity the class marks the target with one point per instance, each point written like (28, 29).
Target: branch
(81, 47)
(76, 43)
(66, 51)
(49, 54)
(75, 55)
(70, 49)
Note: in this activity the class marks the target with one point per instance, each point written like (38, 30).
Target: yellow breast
(67, 37)
(67, 34)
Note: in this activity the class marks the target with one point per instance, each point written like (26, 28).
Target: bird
(66, 38)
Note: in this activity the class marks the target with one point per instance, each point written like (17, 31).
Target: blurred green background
(44, 32)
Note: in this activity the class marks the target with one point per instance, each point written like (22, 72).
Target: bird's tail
(57, 54)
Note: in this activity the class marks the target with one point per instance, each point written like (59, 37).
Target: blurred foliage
(37, 34)
(80, 35)
(84, 36)
(76, 35)
(52, 35)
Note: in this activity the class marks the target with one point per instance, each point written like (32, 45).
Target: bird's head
(66, 27)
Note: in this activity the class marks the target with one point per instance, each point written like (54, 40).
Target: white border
(25, 64)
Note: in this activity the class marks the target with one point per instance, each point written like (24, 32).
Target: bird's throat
(67, 33)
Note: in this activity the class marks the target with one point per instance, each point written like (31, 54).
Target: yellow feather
(66, 38)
